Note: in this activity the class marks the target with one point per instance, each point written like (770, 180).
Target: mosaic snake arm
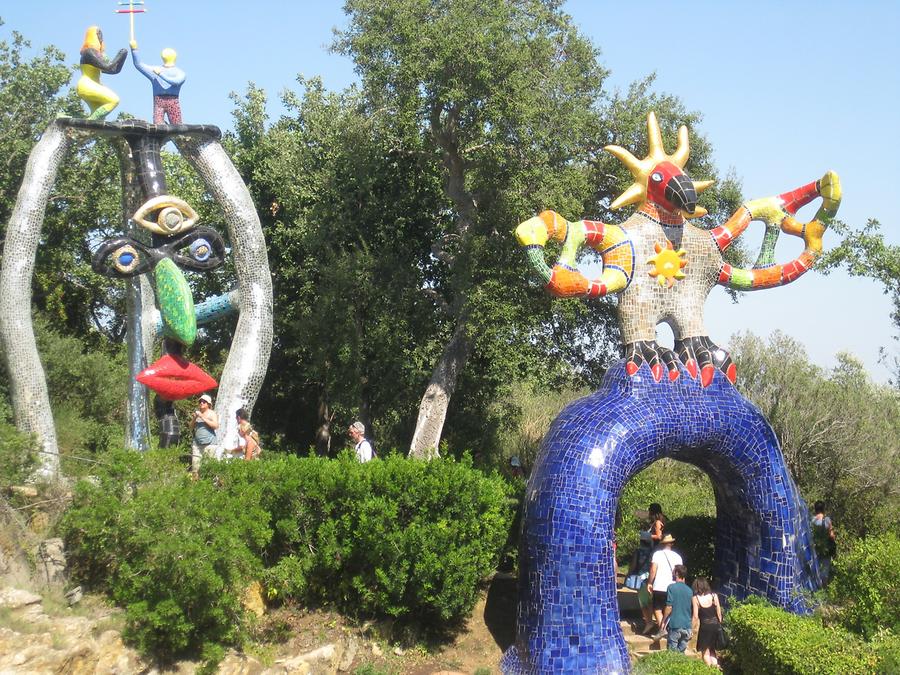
(28, 386)
(564, 280)
(778, 213)
(249, 355)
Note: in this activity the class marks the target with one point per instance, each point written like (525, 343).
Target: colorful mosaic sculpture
(662, 268)
(162, 239)
(100, 99)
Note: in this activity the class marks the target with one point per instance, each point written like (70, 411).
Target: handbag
(634, 581)
(721, 639)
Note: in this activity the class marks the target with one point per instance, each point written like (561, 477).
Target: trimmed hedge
(766, 639)
(393, 537)
(671, 663)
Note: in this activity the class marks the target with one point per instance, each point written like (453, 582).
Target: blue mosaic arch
(568, 616)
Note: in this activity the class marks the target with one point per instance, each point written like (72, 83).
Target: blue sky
(787, 91)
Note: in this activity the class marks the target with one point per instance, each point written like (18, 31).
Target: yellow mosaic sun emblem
(667, 264)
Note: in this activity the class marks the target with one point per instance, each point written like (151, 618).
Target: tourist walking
(362, 447)
(823, 540)
(708, 613)
(657, 523)
(662, 575)
(678, 611)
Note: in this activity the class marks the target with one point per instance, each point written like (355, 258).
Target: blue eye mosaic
(568, 617)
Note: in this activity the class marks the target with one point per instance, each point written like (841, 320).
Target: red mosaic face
(671, 188)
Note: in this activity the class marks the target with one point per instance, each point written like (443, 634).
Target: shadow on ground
(500, 610)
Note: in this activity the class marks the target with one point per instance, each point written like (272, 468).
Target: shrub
(766, 639)
(18, 454)
(394, 537)
(175, 554)
(671, 663)
(864, 588)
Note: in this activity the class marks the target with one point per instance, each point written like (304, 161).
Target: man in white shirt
(357, 433)
(662, 566)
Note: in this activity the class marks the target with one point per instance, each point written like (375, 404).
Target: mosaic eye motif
(656, 176)
(123, 257)
(126, 259)
(166, 215)
(199, 250)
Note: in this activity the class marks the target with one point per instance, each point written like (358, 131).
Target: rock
(294, 666)
(28, 491)
(239, 664)
(253, 599)
(73, 597)
(52, 557)
(39, 522)
(321, 661)
(349, 655)
(376, 650)
(399, 651)
(15, 598)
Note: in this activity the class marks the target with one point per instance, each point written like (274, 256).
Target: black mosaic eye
(656, 176)
(200, 249)
(123, 257)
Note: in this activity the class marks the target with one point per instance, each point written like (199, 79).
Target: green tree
(836, 428)
(864, 253)
(505, 98)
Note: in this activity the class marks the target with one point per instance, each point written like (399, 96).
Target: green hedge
(766, 639)
(865, 583)
(393, 537)
(671, 663)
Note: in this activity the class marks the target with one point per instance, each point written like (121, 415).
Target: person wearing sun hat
(204, 424)
(662, 566)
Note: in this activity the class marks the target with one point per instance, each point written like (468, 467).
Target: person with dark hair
(678, 611)
(823, 540)
(708, 613)
(657, 523)
(248, 439)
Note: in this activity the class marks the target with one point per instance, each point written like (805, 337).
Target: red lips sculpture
(174, 378)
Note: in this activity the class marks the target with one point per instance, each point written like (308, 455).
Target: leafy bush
(18, 454)
(865, 583)
(176, 554)
(394, 537)
(766, 639)
(401, 538)
(671, 663)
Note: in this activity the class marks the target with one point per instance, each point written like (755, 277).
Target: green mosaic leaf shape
(176, 303)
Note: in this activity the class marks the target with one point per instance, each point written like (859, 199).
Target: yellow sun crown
(642, 168)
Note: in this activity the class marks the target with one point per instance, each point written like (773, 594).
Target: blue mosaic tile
(568, 616)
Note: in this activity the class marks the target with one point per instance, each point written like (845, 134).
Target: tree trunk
(433, 409)
(323, 430)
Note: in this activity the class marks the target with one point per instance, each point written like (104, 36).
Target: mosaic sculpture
(100, 99)
(656, 403)
(162, 238)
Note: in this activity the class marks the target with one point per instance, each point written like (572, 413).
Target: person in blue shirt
(167, 80)
(679, 610)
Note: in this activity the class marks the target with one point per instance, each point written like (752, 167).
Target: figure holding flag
(167, 80)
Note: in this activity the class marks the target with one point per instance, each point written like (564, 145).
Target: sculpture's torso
(645, 303)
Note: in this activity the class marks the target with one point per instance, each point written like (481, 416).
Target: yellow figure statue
(101, 100)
